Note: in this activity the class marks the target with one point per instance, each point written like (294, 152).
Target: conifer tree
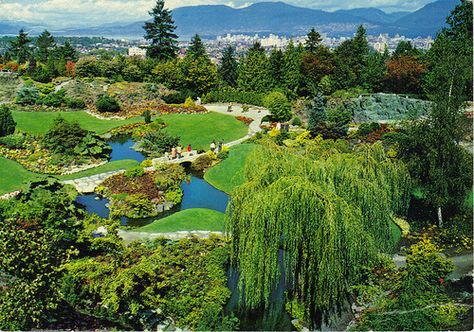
(44, 44)
(292, 70)
(313, 41)
(254, 71)
(228, 70)
(277, 68)
(160, 31)
(196, 48)
(317, 115)
(19, 49)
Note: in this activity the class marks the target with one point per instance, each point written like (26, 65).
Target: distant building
(137, 51)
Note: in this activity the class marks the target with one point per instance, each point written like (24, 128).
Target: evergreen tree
(196, 48)
(254, 70)
(313, 41)
(317, 115)
(405, 48)
(44, 44)
(292, 69)
(7, 124)
(67, 52)
(161, 33)
(277, 68)
(432, 147)
(19, 49)
(373, 74)
(228, 70)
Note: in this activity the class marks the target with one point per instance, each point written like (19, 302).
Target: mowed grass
(200, 129)
(230, 173)
(13, 176)
(187, 220)
(40, 122)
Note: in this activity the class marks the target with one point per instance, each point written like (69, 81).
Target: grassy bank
(230, 173)
(200, 129)
(187, 220)
(40, 122)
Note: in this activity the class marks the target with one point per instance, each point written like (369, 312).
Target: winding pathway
(88, 184)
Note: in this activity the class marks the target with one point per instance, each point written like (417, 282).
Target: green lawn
(40, 122)
(187, 220)
(112, 166)
(13, 176)
(230, 173)
(200, 129)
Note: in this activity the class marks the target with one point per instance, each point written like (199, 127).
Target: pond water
(197, 193)
(122, 149)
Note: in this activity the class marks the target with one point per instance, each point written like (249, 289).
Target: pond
(122, 148)
(197, 193)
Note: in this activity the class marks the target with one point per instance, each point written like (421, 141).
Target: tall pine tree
(160, 31)
(228, 70)
(44, 44)
(277, 68)
(313, 41)
(254, 71)
(196, 48)
(19, 49)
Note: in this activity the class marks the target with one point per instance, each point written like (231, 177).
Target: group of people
(216, 148)
(177, 152)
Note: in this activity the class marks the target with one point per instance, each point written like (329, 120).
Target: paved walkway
(257, 114)
(88, 184)
(129, 237)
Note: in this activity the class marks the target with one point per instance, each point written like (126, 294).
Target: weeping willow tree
(330, 215)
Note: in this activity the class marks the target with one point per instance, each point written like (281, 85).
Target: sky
(71, 13)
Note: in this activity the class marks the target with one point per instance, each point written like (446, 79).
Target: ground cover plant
(138, 193)
(63, 148)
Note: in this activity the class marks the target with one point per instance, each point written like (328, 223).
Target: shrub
(27, 95)
(236, 96)
(13, 141)
(296, 121)
(158, 142)
(74, 103)
(134, 172)
(147, 163)
(189, 102)
(174, 195)
(7, 124)
(201, 163)
(107, 104)
(147, 116)
(178, 97)
(92, 146)
(278, 105)
(55, 99)
(245, 108)
(63, 136)
(223, 154)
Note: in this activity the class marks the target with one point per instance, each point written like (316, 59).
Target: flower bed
(244, 119)
(34, 157)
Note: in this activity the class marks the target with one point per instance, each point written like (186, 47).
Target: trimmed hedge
(236, 96)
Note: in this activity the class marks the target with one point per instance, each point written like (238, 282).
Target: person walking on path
(173, 153)
(213, 146)
(219, 148)
(189, 149)
(179, 150)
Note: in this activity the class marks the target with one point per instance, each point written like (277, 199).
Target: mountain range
(273, 17)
